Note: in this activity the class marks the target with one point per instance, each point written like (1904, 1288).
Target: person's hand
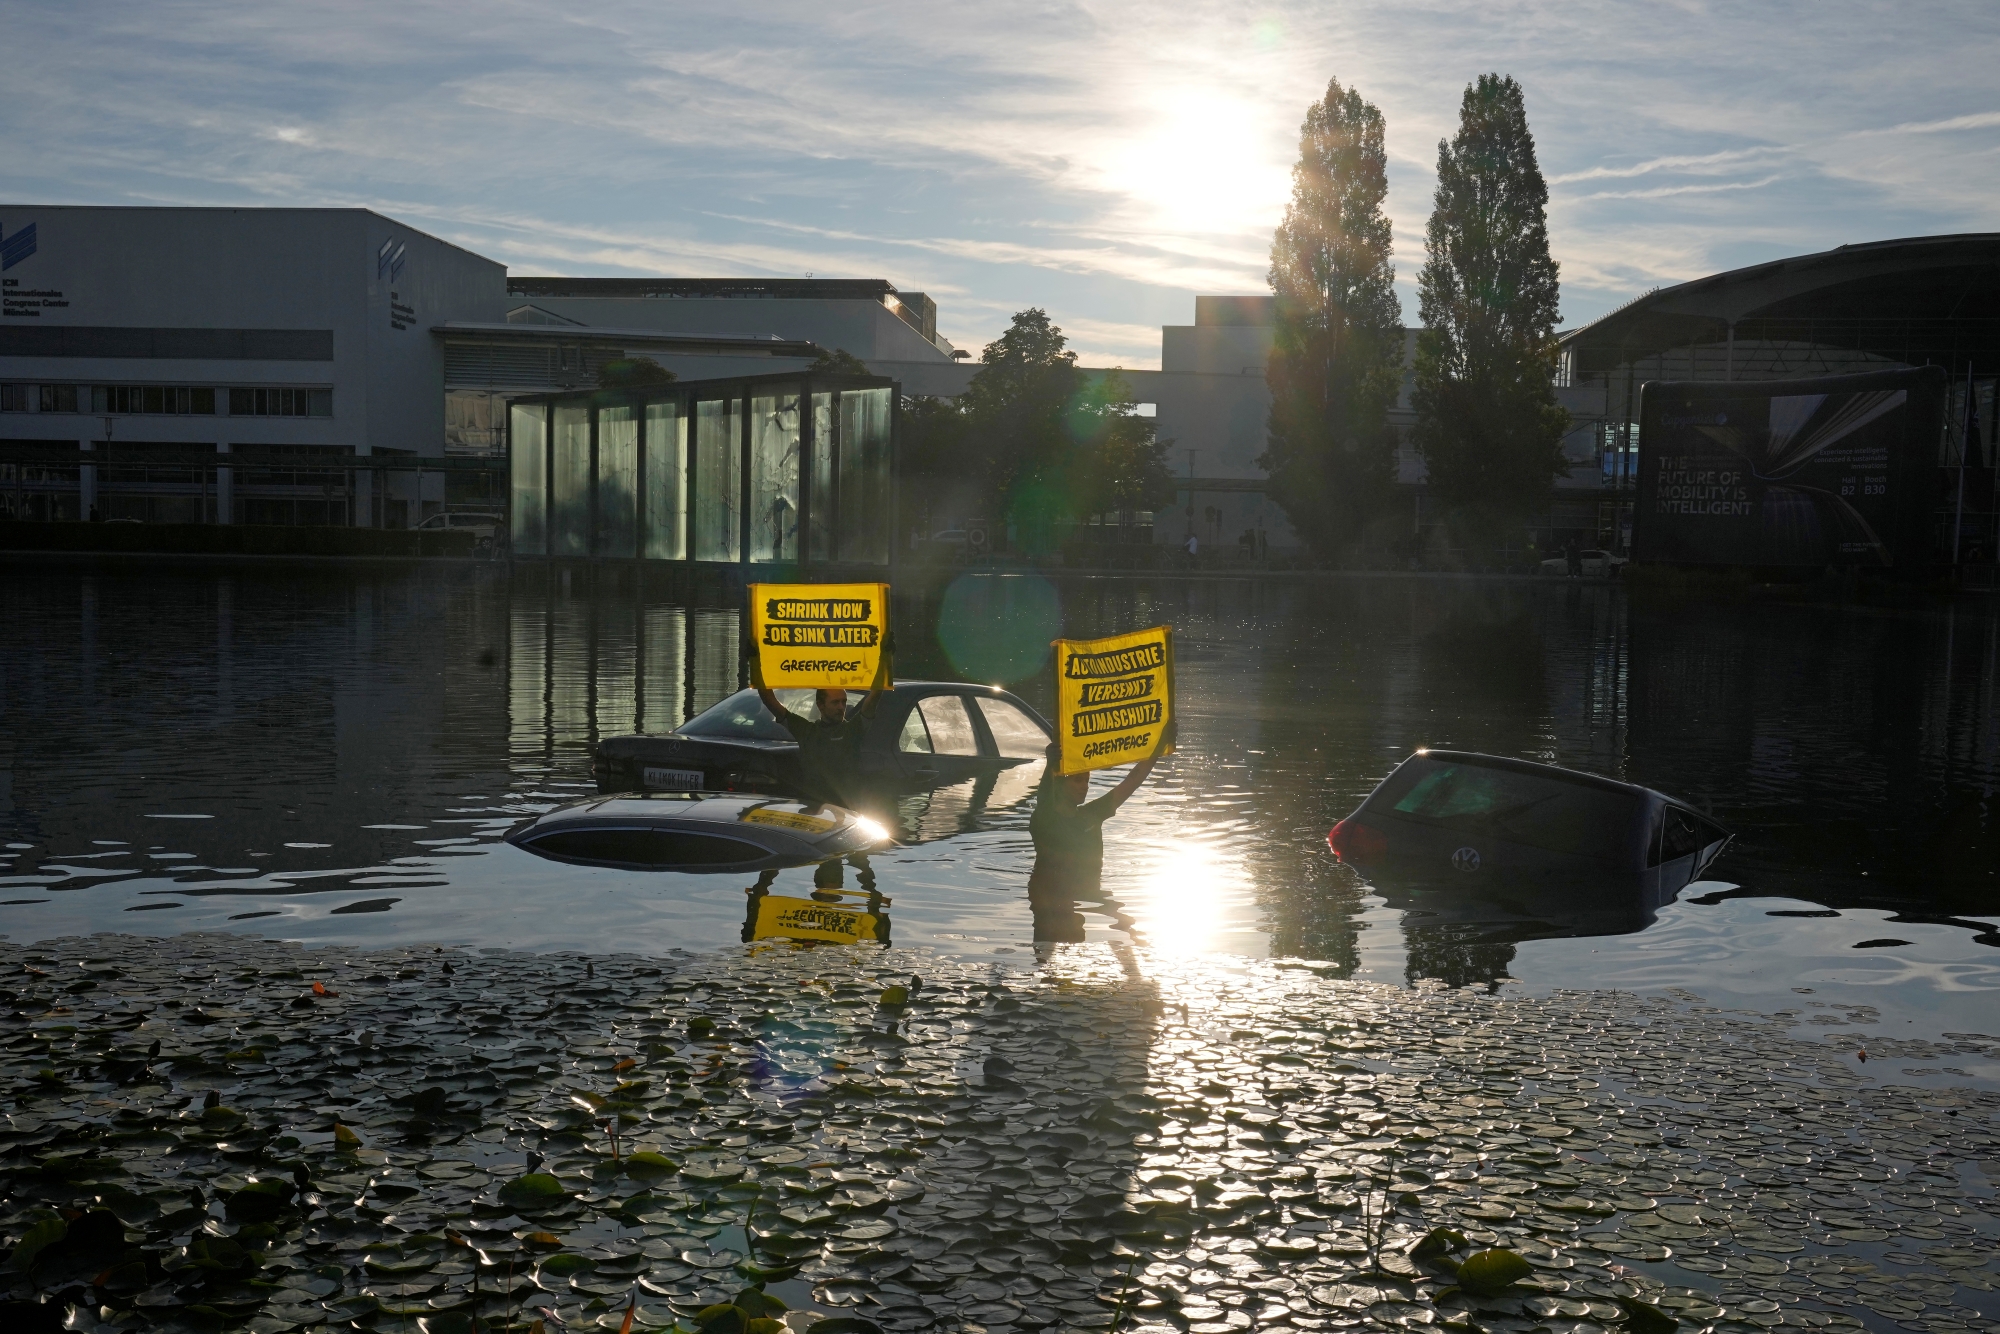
(1169, 734)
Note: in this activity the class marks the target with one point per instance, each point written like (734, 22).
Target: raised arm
(1127, 785)
(770, 699)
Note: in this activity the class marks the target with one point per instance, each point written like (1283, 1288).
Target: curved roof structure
(1922, 300)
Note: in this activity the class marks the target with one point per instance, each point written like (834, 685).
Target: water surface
(331, 754)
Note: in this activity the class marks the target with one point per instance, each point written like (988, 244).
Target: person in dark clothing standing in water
(1068, 832)
(829, 760)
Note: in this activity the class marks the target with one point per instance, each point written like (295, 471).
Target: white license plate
(674, 780)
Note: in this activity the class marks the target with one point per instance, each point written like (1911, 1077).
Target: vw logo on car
(1465, 859)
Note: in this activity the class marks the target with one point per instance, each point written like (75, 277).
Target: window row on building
(774, 469)
(166, 400)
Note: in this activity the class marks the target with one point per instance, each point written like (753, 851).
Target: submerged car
(1451, 813)
(697, 833)
(923, 734)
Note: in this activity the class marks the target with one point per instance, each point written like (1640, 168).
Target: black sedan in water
(1468, 817)
(923, 734)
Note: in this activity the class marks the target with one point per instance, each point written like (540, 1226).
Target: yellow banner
(804, 824)
(1114, 698)
(805, 919)
(821, 636)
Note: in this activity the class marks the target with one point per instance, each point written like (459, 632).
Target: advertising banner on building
(821, 636)
(1841, 471)
(1114, 698)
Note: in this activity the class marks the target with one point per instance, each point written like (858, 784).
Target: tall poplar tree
(1336, 358)
(1488, 424)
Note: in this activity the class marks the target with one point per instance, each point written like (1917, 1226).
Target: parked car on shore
(924, 734)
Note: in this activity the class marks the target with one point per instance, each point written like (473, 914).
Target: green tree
(1022, 413)
(1488, 424)
(1122, 464)
(1337, 355)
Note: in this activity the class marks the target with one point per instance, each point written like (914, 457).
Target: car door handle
(928, 769)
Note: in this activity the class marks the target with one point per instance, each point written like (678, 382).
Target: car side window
(1681, 834)
(950, 725)
(916, 738)
(1014, 732)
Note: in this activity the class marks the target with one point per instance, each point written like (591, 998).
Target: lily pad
(649, 1166)
(536, 1189)
(1486, 1273)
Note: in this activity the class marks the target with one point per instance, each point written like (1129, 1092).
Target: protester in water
(1068, 831)
(829, 760)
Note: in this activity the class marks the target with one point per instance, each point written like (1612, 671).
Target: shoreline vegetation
(209, 1132)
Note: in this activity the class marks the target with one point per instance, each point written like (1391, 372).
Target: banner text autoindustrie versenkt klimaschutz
(1114, 698)
(821, 636)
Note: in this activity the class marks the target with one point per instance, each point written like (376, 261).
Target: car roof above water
(1563, 812)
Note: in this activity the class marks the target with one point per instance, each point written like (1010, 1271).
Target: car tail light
(1353, 841)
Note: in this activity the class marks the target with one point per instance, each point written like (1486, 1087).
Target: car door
(939, 742)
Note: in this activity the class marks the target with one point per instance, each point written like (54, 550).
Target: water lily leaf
(765, 1326)
(590, 1102)
(1645, 1318)
(846, 1324)
(624, 1065)
(344, 1139)
(546, 1241)
(568, 1263)
(700, 1026)
(721, 1318)
(536, 1188)
(1437, 1242)
(649, 1166)
(38, 1239)
(259, 1202)
(756, 1303)
(1488, 1272)
(895, 996)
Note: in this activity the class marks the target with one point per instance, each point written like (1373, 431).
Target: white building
(149, 337)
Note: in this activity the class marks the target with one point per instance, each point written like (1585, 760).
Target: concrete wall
(258, 269)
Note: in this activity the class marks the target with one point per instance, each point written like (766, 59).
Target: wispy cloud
(1079, 155)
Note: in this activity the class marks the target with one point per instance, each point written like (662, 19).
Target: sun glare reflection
(1180, 904)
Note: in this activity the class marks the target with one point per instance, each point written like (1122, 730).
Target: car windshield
(743, 717)
(1540, 810)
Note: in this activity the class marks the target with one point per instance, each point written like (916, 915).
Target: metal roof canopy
(547, 335)
(1925, 300)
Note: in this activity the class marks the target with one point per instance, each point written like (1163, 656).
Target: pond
(332, 754)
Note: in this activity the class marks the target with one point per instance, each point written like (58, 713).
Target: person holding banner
(1068, 832)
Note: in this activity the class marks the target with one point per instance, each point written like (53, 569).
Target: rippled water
(331, 753)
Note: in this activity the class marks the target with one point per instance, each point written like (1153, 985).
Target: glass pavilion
(772, 469)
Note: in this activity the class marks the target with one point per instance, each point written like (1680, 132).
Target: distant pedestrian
(1193, 549)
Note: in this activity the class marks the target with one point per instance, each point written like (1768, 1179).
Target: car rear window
(1539, 810)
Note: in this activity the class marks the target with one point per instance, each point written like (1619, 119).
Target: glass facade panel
(820, 502)
(617, 480)
(666, 483)
(863, 516)
(774, 477)
(528, 524)
(569, 505)
(718, 478)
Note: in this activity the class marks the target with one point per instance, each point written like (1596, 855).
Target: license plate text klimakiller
(674, 780)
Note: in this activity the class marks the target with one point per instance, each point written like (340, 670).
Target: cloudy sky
(1103, 159)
